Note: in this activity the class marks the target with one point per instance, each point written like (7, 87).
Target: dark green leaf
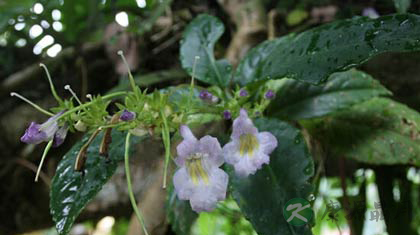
(300, 100)
(198, 40)
(313, 55)
(71, 191)
(262, 196)
(179, 213)
(378, 131)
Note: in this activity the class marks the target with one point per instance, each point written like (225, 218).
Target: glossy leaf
(300, 100)
(71, 191)
(179, 213)
(199, 39)
(262, 196)
(313, 55)
(378, 131)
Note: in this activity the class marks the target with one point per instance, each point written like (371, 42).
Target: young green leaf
(71, 191)
(297, 100)
(313, 55)
(263, 196)
(378, 131)
(199, 39)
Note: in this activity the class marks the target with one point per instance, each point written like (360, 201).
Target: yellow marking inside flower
(247, 144)
(196, 170)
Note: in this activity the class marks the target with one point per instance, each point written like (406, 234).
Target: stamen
(247, 144)
(196, 170)
(53, 91)
(130, 76)
(32, 104)
(89, 96)
(196, 58)
(67, 87)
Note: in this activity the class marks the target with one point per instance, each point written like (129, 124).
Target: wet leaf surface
(378, 131)
(313, 55)
(297, 100)
(71, 191)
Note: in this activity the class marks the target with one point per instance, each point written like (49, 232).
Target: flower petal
(182, 183)
(249, 165)
(211, 146)
(243, 125)
(33, 134)
(260, 159)
(205, 197)
(186, 133)
(231, 152)
(219, 181)
(244, 167)
(267, 141)
(60, 135)
(185, 149)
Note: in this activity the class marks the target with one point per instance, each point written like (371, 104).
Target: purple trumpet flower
(248, 149)
(199, 178)
(37, 133)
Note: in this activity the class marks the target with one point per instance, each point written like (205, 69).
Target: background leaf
(179, 213)
(313, 55)
(378, 131)
(300, 100)
(71, 191)
(262, 196)
(199, 39)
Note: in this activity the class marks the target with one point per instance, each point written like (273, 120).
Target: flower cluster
(199, 178)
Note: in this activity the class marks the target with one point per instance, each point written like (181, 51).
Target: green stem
(130, 189)
(47, 148)
(32, 104)
(167, 144)
(90, 103)
(53, 91)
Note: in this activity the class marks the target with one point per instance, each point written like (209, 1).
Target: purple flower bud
(243, 93)
(370, 12)
(199, 178)
(127, 116)
(249, 149)
(269, 95)
(205, 95)
(227, 114)
(37, 133)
